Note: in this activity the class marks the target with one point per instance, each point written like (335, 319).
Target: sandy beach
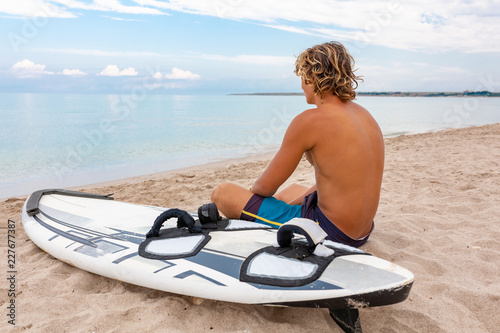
(439, 217)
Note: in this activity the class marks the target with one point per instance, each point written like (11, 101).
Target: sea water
(62, 140)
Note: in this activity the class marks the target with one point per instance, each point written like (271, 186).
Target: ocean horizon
(65, 140)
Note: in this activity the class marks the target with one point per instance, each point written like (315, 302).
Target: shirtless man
(339, 138)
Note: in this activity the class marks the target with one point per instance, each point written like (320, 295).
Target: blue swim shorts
(274, 212)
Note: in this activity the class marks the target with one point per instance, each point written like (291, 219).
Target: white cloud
(179, 74)
(73, 72)
(157, 76)
(426, 25)
(122, 19)
(113, 70)
(64, 8)
(101, 53)
(130, 71)
(290, 28)
(109, 6)
(255, 59)
(27, 68)
(34, 8)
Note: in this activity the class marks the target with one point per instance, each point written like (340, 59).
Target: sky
(243, 46)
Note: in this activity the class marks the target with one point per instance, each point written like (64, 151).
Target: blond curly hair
(329, 67)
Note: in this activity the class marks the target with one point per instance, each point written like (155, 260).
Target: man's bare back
(348, 159)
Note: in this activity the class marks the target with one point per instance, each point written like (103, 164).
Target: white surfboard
(238, 261)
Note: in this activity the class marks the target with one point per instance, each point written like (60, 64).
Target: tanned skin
(345, 146)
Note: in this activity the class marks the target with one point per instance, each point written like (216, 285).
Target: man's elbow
(263, 189)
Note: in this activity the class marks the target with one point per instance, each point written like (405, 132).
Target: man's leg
(230, 199)
(291, 192)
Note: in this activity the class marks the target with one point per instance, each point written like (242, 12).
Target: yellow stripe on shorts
(261, 218)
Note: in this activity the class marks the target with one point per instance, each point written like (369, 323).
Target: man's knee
(217, 192)
(230, 199)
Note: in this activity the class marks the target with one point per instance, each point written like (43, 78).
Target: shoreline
(437, 217)
(184, 170)
(159, 174)
(219, 163)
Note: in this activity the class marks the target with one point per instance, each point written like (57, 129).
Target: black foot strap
(209, 216)
(347, 319)
(183, 220)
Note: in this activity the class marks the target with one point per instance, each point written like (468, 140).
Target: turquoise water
(62, 140)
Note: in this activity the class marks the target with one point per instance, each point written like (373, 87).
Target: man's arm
(296, 141)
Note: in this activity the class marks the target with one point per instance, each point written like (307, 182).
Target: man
(339, 138)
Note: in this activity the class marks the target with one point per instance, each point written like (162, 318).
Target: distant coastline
(395, 94)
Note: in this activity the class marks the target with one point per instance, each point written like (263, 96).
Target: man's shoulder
(304, 116)
(308, 112)
(321, 113)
